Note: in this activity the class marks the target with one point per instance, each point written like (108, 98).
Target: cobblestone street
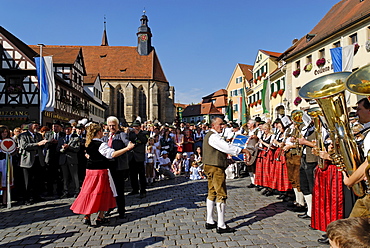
(172, 215)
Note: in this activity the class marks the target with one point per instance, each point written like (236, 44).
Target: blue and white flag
(45, 75)
(342, 58)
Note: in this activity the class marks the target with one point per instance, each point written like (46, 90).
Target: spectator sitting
(165, 166)
(349, 233)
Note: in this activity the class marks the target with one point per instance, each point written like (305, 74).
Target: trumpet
(328, 91)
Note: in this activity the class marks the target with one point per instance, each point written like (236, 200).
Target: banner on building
(342, 58)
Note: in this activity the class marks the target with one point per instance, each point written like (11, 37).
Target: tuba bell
(359, 83)
(328, 91)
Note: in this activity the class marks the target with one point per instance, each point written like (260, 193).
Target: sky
(198, 42)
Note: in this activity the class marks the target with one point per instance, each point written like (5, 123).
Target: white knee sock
(221, 214)
(308, 199)
(251, 174)
(299, 198)
(210, 207)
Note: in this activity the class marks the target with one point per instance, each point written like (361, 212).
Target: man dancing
(215, 150)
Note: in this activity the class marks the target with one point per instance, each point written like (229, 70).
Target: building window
(322, 53)
(235, 92)
(298, 64)
(309, 59)
(231, 93)
(353, 38)
(235, 107)
(336, 44)
(239, 80)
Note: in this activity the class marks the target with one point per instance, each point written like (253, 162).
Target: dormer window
(309, 37)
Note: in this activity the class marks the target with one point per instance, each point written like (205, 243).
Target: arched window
(120, 104)
(142, 104)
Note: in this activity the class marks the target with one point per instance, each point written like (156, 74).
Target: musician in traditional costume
(264, 160)
(215, 151)
(252, 131)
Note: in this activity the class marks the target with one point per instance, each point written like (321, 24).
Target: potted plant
(14, 89)
(259, 78)
(259, 101)
(274, 94)
(297, 72)
(357, 46)
(255, 81)
(281, 92)
(264, 74)
(320, 62)
(297, 101)
(308, 67)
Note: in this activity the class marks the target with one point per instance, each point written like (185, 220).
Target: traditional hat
(136, 123)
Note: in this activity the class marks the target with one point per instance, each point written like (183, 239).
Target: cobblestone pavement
(172, 215)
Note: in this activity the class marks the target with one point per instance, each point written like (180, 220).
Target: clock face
(144, 37)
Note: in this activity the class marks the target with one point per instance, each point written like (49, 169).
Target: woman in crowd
(279, 176)
(198, 137)
(4, 134)
(179, 140)
(96, 194)
(265, 159)
(167, 144)
(188, 142)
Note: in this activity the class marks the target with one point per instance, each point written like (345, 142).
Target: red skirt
(327, 197)
(263, 168)
(96, 194)
(279, 176)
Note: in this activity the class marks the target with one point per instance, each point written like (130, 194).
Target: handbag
(179, 148)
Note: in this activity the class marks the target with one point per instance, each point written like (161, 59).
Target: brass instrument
(359, 83)
(315, 113)
(297, 118)
(328, 91)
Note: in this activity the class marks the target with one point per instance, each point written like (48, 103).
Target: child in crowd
(195, 173)
(165, 166)
(177, 164)
(150, 159)
(185, 164)
(349, 233)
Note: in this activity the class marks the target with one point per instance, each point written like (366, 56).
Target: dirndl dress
(279, 177)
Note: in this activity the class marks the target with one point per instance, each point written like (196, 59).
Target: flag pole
(40, 80)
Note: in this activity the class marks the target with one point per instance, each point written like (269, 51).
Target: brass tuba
(315, 113)
(359, 83)
(328, 91)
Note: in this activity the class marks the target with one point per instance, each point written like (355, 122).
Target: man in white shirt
(215, 150)
(165, 166)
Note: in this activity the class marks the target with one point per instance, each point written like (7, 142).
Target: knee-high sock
(308, 199)
(221, 214)
(210, 207)
(299, 198)
(251, 174)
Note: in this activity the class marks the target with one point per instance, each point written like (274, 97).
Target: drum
(243, 142)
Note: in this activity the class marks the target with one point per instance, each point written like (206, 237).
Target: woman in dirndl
(265, 159)
(279, 177)
(96, 194)
(5, 134)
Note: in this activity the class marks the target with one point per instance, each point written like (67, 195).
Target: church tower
(104, 41)
(144, 37)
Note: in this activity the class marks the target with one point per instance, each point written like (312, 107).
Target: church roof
(111, 62)
(340, 16)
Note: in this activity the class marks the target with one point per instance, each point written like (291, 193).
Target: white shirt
(367, 140)
(105, 150)
(217, 142)
(163, 161)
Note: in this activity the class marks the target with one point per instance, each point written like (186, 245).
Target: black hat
(234, 125)
(80, 126)
(66, 125)
(258, 119)
(57, 122)
(136, 123)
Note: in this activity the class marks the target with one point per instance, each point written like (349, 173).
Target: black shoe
(269, 193)
(225, 230)
(100, 221)
(323, 240)
(86, 221)
(258, 188)
(299, 209)
(122, 216)
(211, 226)
(251, 186)
(264, 192)
(133, 193)
(304, 216)
(109, 212)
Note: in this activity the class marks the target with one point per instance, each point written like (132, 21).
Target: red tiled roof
(208, 108)
(111, 62)
(273, 54)
(61, 55)
(90, 79)
(342, 14)
(247, 71)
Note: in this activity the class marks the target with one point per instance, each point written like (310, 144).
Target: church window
(142, 104)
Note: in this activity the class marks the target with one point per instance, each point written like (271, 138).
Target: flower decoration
(274, 94)
(259, 78)
(321, 62)
(297, 72)
(308, 67)
(297, 101)
(255, 81)
(357, 46)
(264, 74)
(281, 92)
(259, 101)
(14, 89)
